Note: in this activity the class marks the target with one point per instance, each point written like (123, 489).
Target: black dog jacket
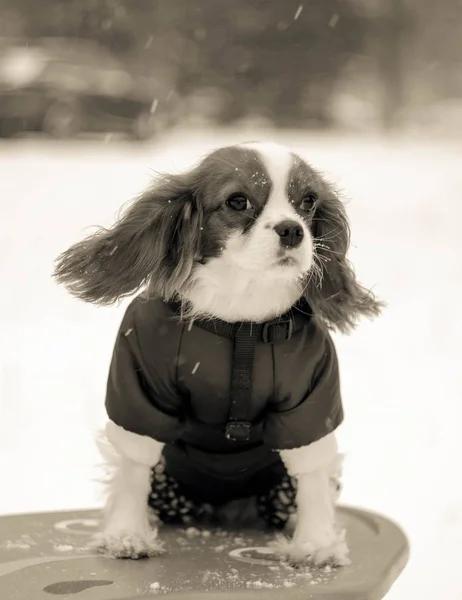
(223, 397)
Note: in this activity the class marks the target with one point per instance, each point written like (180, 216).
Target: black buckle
(238, 431)
(268, 332)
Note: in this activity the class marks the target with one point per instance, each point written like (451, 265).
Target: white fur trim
(140, 449)
(308, 459)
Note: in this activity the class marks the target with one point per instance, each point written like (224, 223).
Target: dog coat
(173, 381)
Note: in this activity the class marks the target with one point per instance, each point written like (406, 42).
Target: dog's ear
(333, 290)
(154, 243)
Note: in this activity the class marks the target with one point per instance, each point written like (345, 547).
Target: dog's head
(242, 236)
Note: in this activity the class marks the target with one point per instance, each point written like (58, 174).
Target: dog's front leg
(316, 537)
(126, 531)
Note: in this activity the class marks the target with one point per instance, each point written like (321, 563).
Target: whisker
(316, 271)
(328, 249)
(338, 231)
(319, 272)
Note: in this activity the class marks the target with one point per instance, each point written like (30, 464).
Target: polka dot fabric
(172, 504)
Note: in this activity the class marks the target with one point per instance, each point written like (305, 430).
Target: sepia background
(96, 95)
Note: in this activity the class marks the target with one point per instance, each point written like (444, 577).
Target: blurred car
(65, 87)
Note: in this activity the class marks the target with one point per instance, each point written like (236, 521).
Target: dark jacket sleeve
(320, 412)
(141, 391)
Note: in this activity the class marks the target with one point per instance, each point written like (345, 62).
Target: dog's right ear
(155, 242)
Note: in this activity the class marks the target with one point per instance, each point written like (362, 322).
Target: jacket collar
(273, 331)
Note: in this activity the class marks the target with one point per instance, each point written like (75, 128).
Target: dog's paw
(127, 544)
(311, 553)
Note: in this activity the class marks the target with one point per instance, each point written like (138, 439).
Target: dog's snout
(290, 233)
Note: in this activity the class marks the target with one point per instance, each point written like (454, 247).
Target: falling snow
(334, 20)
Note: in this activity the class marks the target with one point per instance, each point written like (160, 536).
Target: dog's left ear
(333, 291)
(153, 244)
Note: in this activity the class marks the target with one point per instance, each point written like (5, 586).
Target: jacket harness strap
(245, 336)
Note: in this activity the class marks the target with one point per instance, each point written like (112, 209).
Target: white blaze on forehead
(278, 162)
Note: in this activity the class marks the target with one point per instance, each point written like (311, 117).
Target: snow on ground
(401, 375)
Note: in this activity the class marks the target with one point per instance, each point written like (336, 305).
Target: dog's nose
(290, 232)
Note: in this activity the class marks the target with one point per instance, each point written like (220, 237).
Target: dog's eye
(309, 201)
(238, 202)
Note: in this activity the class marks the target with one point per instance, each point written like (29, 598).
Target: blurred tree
(279, 59)
(391, 25)
(391, 30)
(100, 20)
(434, 51)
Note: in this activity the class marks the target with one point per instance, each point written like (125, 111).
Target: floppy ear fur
(154, 243)
(333, 291)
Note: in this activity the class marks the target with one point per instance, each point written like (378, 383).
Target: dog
(224, 381)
